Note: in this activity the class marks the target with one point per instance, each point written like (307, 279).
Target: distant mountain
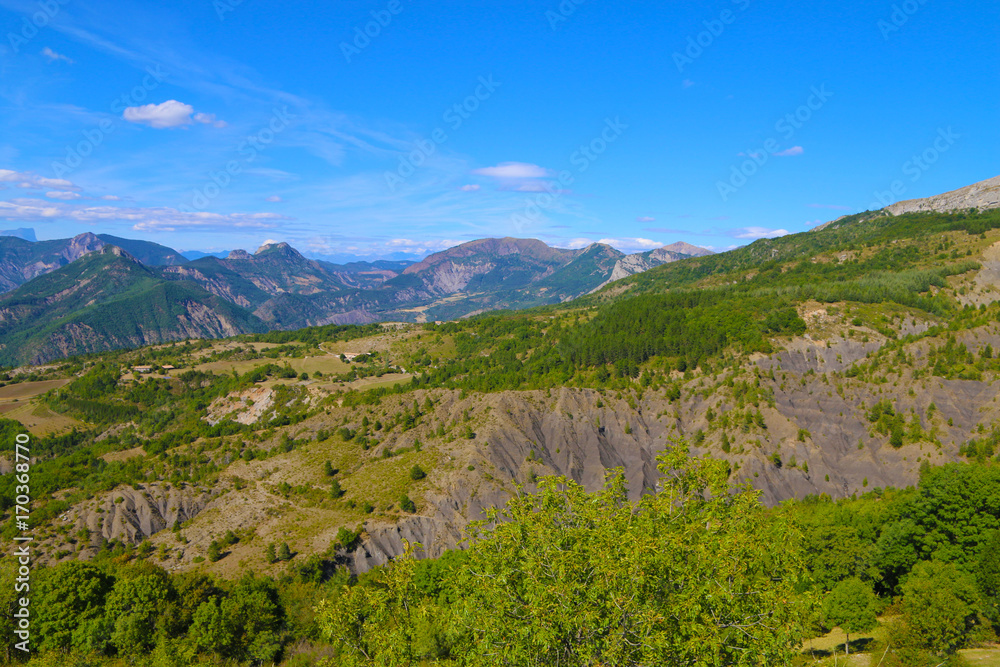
(198, 254)
(983, 195)
(22, 260)
(92, 292)
(107, 299)
(644, 261)
(147, 252)
(26, 233)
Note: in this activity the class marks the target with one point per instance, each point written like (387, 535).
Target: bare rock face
(130, 514)
(982, 195)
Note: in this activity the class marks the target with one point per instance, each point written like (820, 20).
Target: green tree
(374, 624)
(988, 577)
(133, 609)
(284, 553)
(417, 473)
(69, 601)
(247, 624)
(572, 578)
(336, 491)
(940, 603)
(214, 551)
(406, 504)
(269, 554)
(851, 605)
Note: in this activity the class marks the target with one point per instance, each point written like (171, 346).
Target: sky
(395, 128)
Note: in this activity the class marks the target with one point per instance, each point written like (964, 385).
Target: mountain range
(95, 291)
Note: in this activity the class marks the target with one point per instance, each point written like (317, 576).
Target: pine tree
(284, 553)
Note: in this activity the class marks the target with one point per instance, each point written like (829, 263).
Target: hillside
(105, 300)
(21, 260)
(984, 195)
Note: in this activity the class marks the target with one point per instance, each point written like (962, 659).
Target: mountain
(644, 261)
(147, 252)
(107, 299)
(197, 254)
(982, 196)
(21, 260)
(26, 233)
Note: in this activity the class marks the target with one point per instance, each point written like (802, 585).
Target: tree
(417, 473)
(328, 469)
(406, 504)
(70, 598)
(269, 554)
(939, 603)
(284, 553)
(374, 624)
(214, 551)
(247, 624)
(988, 577)
(336, 491)
(573, 578)
(133, 609)
(851, 605)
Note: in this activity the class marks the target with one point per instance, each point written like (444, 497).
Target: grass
(23, 390)
(37, 418)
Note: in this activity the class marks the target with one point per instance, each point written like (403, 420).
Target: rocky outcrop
(982, 195)
(132, 513)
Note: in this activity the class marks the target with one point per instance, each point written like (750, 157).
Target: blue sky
(216, 124)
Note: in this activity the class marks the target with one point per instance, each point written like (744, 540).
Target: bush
(417, 473)
(406, 504)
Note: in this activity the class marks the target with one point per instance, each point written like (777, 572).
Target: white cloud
(274, 199)
(161, 219)
(111, 198)
(645, 218)
(53, 56)
(62, 194)
(168, 114)
(469, 188)
(791, 152)
(513, 170)
(29, 180)
(754, 233)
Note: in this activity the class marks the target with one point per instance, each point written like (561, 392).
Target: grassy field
(828, 650)
(38, 419)
(23, 390)
(326, 364)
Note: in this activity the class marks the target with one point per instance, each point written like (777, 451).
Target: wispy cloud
(53, 56)
(645, 219)
(162, 219)
(754, 233)
(513, 170)
(791, 152)
(168, 115)
(31, 180)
